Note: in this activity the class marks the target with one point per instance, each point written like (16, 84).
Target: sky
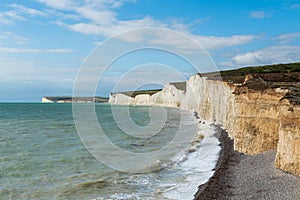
(43, 43)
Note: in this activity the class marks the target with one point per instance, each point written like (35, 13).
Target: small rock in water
(192, 149)
(138, 145)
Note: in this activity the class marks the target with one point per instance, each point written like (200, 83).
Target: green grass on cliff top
(277, 68)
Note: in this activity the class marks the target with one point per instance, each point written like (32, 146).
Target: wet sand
(240, 176)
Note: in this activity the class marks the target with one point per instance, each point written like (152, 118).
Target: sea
(42, 155)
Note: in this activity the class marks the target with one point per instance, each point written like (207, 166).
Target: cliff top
(288, 68)
(138, 92)
(257, 78)
(260, 78)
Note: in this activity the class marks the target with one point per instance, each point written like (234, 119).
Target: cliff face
(257, 120)
(212, 100)
(122, 99)
(46, 100)
(288, 150)
(169, 96)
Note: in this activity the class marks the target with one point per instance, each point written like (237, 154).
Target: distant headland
(70, 99)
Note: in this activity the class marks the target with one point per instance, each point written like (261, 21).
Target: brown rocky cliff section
(268, 119)
(257, 121)
(288, 149)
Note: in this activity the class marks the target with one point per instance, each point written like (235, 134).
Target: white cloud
(258, 14)
(31, 50)
(18, 13)
(181, 41)
(214, 42)
(190, 46)
(287, 37)
(99, 18)
(103, 17)
(13, 38)
(248, 58)
(178, 42)
(113, 28)
(269, 55)
(102, 20)
(59, 4)
(73, 4)
(9, 17)
(25, 10)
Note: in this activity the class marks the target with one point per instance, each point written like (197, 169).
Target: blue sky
(44, 42)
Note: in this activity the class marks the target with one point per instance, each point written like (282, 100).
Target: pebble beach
(240, 176)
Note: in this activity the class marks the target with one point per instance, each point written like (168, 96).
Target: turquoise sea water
(42, 157)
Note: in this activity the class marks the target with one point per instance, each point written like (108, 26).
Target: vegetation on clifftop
(276, 68)
(271, 73)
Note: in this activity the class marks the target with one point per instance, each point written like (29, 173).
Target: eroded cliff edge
(257, 119)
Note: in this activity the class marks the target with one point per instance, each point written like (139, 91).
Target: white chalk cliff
(257, 120)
